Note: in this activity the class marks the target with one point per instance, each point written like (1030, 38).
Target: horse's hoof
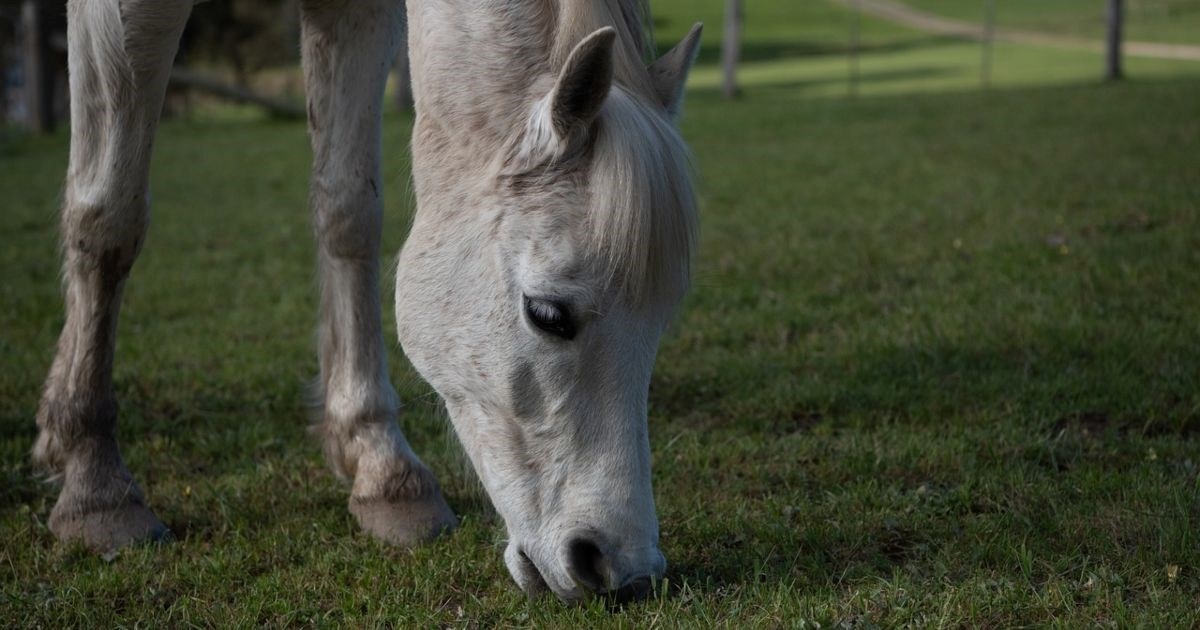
(105, 529)
(404, 522)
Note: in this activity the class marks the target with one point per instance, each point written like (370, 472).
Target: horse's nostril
(634, 591)
(585, 564)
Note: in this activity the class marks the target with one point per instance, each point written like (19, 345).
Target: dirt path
(908, 16)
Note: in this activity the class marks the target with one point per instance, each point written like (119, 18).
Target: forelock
(641, 221)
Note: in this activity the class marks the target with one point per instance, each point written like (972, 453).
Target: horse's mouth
(532, 581)
(528, 576)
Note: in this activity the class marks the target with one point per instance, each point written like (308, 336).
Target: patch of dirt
(897, 543)
(799, 421)
(1086, 423)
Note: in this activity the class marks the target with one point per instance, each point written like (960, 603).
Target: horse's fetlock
(351, 443)
(73, 425)
(49, 453)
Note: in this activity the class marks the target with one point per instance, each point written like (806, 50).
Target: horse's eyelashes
(550, 316)
(545, 313)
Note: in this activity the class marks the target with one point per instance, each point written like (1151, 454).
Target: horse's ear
(669, 73)
(583, 83)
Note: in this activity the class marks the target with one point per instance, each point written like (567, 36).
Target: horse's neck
(473, 65)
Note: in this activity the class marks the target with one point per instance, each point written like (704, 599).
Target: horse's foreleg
(348, 48)
(120, 54)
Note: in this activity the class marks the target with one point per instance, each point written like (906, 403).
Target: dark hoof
(404, 523)
(108, 529)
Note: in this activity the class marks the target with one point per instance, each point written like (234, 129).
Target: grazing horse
(551, 245)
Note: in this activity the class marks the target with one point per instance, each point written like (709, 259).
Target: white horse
(550, 247)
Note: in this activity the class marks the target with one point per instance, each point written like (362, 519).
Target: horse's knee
(347, 217)
(105, 236)
(120, 55)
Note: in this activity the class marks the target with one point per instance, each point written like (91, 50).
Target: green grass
(938, 368)
(803, 46)
(1176, 21)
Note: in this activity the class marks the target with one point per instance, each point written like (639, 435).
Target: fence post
(1116, 19)
(38, 85)
(731, 47)
(6, 40)
(989, 35)
(855, 44)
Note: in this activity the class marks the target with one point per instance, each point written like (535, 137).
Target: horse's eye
(550, 316)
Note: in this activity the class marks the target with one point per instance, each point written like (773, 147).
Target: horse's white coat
(536, 179)
(546, 167)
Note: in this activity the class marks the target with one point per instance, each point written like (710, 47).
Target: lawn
(1175, 21)
(804, 47)
(938, 367)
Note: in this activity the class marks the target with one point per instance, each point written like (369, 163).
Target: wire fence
(1097, 28)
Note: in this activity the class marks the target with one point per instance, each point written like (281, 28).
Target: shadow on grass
(734, 560)
(864, 78)
(922, 386)
(1075, 399)
(772, 50)
(223, 459)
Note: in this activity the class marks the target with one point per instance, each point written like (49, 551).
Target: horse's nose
(634, 591)
(587, 565)
(592, 569)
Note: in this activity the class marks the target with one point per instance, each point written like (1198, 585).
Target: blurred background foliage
(244, 36)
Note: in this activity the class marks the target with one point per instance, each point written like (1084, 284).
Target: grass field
(803, 48)
(939, 367)
(1176, 21)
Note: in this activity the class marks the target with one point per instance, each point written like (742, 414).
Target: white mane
(643, 211)
(634, 44)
